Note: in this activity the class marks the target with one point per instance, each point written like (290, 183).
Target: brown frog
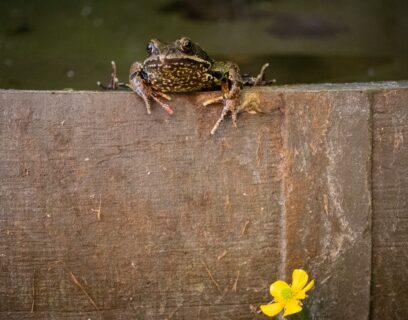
(183, 66)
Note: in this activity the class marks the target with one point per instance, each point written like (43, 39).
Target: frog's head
(183, 50)
(181, 66)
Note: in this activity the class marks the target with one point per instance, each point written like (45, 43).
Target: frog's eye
(150, 48)
(186, 45)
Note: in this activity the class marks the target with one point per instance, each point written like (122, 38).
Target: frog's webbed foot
(231, 97)
(113, 83)
(231, 102)
(139, 85)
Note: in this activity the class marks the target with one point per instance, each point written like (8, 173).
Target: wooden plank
(327, 189)
(390, 205)
(189, 223)
(108, 213)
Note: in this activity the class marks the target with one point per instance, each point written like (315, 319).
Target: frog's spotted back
(179, 75)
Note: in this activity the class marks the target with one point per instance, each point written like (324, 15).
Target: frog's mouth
(170, 60)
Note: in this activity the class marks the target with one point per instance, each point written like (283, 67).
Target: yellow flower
(288, 296)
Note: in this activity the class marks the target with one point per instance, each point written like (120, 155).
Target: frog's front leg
(139, 84)
(231, 96)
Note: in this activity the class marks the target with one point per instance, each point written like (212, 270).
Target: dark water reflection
(69, 44)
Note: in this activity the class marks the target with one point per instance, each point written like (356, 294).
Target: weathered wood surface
(327, 192)
(154, 218)
(390, 204)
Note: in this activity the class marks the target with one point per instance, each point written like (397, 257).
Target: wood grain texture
(173, 206)
(327, 188)
(390, 205)
(108, 213)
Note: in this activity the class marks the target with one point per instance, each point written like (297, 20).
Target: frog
(183, 66)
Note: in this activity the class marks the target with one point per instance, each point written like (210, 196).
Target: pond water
(69, 44)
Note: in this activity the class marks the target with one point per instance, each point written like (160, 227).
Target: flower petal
(272, 309)
(276, 289)
(309, 286)
(299, 280)
(291, 307)
(302, 293)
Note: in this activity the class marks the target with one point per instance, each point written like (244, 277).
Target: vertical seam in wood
(371, 99)
(283, 171)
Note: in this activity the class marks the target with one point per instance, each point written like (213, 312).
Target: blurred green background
(69, 44)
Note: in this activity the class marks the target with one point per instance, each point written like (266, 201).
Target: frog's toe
(230, 105)
(147, 104)
(261, 76)
(164, 105)
(234, 114)
(163, 95)
(113, 82)
(213, 101)
(220, 119)
(227, 108)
